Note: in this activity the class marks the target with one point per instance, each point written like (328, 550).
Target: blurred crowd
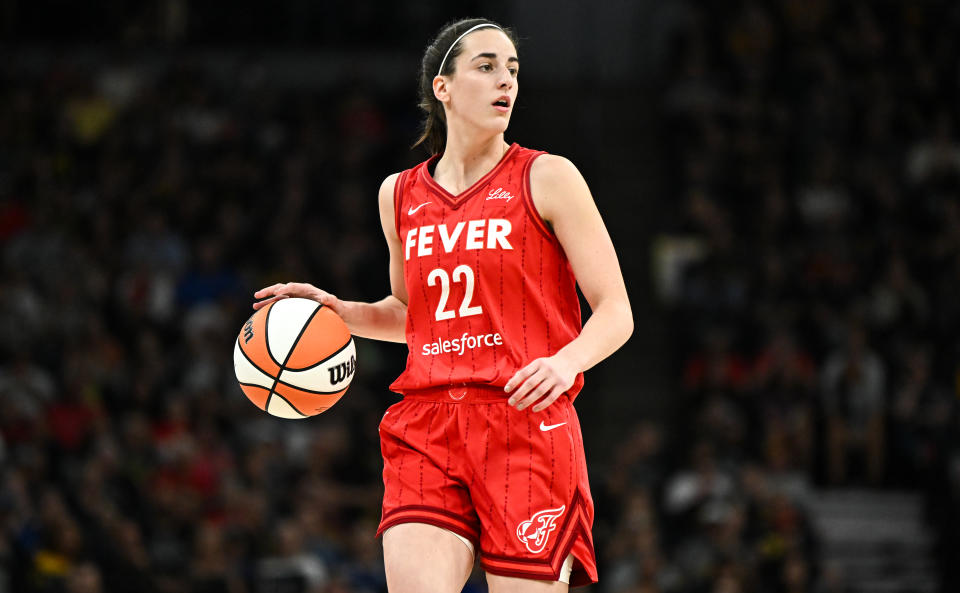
(815, 164)
(139, 211)
(815, 160)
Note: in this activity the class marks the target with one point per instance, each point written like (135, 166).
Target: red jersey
(490, 288)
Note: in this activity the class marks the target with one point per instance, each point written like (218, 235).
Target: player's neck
(466, 160)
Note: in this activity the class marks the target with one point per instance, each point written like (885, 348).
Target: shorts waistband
(461, 393)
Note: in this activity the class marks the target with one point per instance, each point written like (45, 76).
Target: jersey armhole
(397, 198)
(527, 193)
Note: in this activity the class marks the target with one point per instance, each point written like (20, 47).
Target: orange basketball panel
(325, 334)
(306, 402)
(258, 395)
(253, 342)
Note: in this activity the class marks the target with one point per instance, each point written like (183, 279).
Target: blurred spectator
(692, 489)
(84, 578)
(899, 303)
(922, 417)
(291, 568)
(784, 381)
(854, 391)
(936, 159)
(716, 367)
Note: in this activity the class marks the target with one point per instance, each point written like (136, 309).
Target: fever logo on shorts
(535, 531)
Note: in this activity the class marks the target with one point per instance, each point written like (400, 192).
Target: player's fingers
(327, 299)
(261, 304)
(295, 289)
(521, 375)
(528, 385)
(535, 394)
(267, 291)
(553, 396)
(307, 291)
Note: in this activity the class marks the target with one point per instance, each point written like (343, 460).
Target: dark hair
(434, 132)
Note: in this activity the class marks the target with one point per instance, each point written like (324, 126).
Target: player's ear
(440, 90)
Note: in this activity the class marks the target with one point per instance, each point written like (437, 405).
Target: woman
(487, 242)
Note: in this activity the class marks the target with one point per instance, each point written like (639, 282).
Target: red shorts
(512, 482)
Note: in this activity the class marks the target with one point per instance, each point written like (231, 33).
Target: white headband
(464, 34)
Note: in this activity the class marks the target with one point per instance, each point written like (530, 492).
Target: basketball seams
(293, 407)
(250, 360)
(316, 364)
(305, 390)
(266, 337)
(326, 335)
(257, 394)
(293, 346)
(257, 353)
(308, 403)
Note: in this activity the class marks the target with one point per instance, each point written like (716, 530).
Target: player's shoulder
(553, 169)
(386, 193)
(388, 184)
(555, 183)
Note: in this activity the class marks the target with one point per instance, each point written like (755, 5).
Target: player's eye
(513, 71)
(486, 67)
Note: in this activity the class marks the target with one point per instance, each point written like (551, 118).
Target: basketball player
(483, 455)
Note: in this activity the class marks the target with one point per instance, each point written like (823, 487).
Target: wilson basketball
(294, 358)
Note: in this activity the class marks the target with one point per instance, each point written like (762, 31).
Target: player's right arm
(383, 320)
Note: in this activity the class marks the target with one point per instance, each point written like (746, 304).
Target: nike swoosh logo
(412, 210)
(545, 428)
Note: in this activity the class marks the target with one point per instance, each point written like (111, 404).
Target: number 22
(462, 271)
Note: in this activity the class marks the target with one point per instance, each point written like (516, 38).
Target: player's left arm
(564, 201)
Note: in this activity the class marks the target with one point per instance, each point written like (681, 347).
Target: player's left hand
(543, 381)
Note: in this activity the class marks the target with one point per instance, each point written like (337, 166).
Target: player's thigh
(502, 584)
(422, 558)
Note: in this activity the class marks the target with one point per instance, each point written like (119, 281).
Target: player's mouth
(502, 104)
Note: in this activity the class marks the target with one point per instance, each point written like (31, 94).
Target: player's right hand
(302, 290)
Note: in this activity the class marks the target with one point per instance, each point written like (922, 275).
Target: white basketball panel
(284, 323)
(280, 408)
(246, 372)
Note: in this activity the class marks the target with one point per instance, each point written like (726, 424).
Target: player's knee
(421, 558)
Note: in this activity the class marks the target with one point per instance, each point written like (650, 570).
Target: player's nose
(506, 79)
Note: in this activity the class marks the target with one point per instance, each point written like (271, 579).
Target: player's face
(483, 89)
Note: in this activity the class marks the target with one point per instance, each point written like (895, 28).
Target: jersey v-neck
(455, 201)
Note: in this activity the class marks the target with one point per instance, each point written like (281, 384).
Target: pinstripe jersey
(490, 288)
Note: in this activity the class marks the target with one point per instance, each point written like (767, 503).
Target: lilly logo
(535, 531)
(499, 194)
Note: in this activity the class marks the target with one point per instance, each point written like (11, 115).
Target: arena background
(780, 179)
